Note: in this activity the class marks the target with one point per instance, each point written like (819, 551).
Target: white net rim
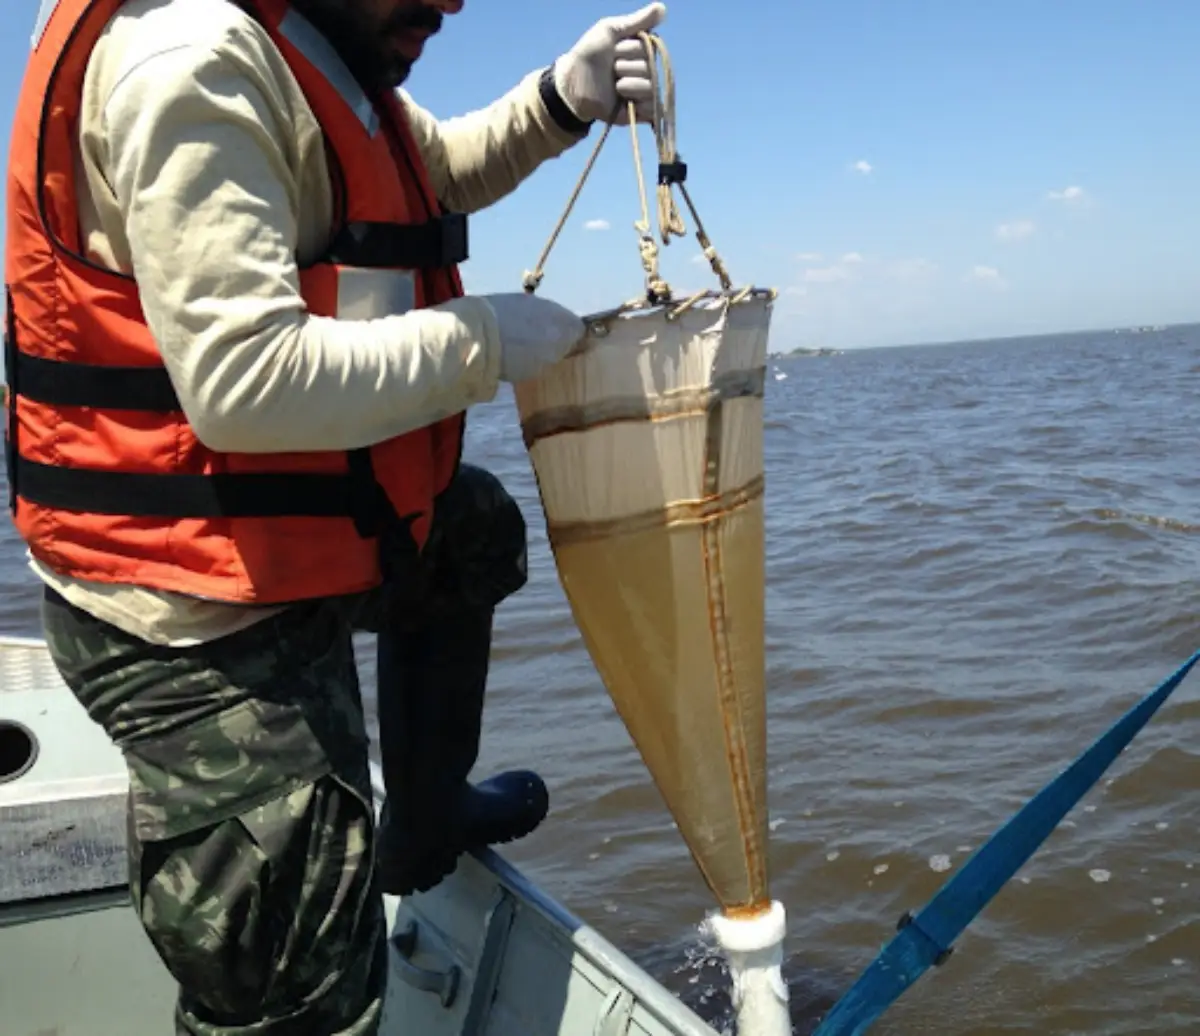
(598, 323)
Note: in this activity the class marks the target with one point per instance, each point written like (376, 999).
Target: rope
(657, 290)
(533, 278)
(671, 173)
(663, 124)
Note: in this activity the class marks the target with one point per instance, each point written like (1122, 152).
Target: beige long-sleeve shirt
(202, 171)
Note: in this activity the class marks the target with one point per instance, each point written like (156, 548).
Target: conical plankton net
(647, 443)
(648, 452)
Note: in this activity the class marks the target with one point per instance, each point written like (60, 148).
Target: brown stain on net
(667, 406)
(704, 511)
(731, 717)
(711, 512)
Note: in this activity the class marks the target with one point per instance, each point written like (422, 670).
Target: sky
(902, 172)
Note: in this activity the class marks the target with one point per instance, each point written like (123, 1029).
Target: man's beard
(365, 47)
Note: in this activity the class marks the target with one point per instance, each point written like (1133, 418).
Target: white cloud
(809, 257)
(988, 275)
(1017, 230)
(825, 274)
(597, 224)
(910, 269)
(856, 267)
(862, 166)
(862, 295)
(1068, 195)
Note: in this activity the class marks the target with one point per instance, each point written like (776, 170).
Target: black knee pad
(477, 553)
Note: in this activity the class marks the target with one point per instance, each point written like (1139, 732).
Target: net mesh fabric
(647, 444)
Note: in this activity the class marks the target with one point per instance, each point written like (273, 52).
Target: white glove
(534, 333)
(607, 65)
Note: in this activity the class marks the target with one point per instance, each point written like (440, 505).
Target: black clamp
(672, 172)
(454, 244)
(905, 920)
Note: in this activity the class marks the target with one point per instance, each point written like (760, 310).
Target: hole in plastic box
(18, 750)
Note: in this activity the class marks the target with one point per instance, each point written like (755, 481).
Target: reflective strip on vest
(303, 35)
(371, 294)
(43, 19)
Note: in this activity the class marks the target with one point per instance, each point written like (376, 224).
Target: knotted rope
(672, 172)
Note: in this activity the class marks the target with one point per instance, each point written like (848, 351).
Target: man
(239, 356)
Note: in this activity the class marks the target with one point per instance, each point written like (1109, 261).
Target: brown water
(977, 557)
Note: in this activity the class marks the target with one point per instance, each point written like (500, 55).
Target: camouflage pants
(251, 822)
(251, 826)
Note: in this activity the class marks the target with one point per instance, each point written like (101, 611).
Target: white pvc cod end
(754, 950)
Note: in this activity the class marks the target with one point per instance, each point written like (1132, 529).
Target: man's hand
(607, 65)
(534, 333)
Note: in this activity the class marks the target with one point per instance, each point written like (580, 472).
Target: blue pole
(927, 939)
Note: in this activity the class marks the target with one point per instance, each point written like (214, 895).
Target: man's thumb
(644, 20)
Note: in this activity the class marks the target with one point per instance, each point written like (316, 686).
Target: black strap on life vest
(10, 401)
(439, 242)
(258, 495)
(434, 244)
(60, 383)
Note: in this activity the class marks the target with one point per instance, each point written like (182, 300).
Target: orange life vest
(107, 480)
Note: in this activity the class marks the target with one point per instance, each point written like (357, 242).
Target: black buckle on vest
(438, 243)
(369, 504)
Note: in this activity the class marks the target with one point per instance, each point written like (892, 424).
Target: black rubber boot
(501, 809)
(434, 649)
(431, 689)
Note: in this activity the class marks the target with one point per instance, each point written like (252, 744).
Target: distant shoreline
(1133, 329)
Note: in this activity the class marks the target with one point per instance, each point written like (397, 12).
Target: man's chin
(398, 71)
